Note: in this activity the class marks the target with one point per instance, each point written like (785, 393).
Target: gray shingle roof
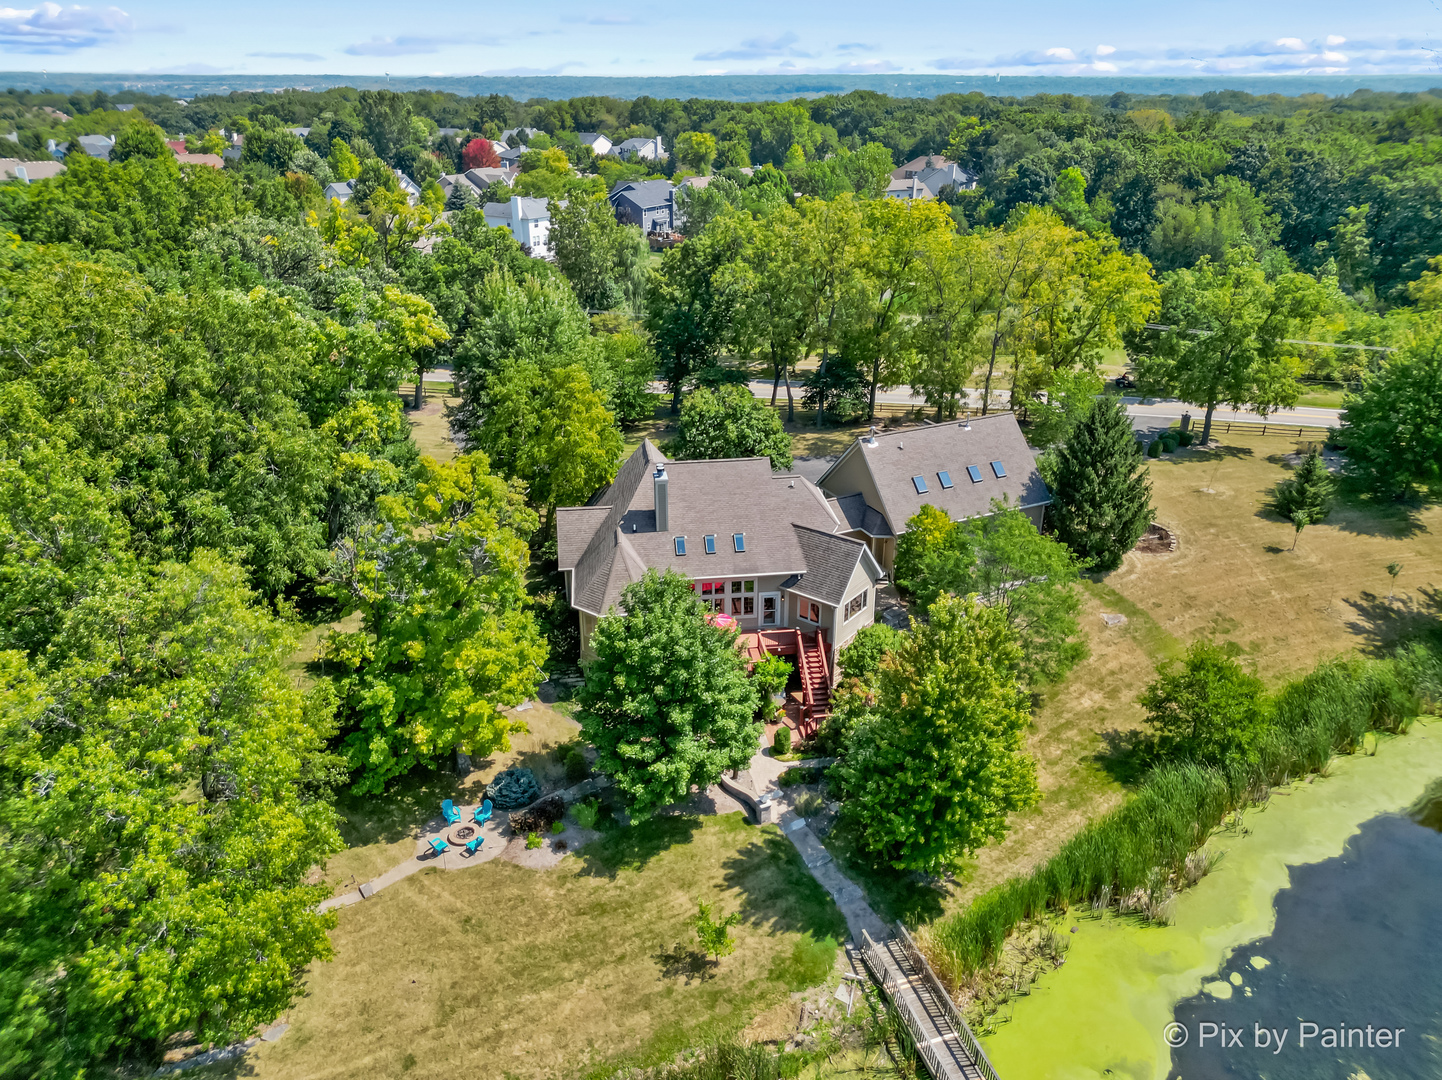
(830, 562)
(613, 540)
(898, 456)
(860, 515)
(643, 192)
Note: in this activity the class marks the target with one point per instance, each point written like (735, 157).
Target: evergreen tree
(1307, 493)
(1101, 498)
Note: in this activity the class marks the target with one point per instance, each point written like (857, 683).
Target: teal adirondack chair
(439, 847)
(475, 845)
(482, 813)
(452, 815)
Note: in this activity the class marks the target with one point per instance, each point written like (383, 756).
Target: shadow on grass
(633, 847)
(682, 962)
(1363, 514)
(778, 892)
(1382, 622)
(411, 802)
(893, 894)
(1125, 756)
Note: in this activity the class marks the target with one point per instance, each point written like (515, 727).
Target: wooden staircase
(815, 682)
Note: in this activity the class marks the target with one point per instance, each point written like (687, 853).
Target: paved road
(1146, 413)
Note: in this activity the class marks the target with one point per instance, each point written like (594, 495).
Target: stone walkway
(765, 772)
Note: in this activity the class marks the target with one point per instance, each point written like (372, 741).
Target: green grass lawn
(502, 971)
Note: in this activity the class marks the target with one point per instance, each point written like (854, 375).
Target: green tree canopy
(931, 774)
(666, 702)
(1307, 492)
(447, 638)
(1392, 427)
(1226, 345)
(728, 422)
(163, 795)
(1208, 708)
(1101, 496)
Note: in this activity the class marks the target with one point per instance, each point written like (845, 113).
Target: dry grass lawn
(507, 972)
(429, 427)
(1232, 578)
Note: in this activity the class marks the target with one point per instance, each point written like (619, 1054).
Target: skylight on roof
(739, 539)
(920, 484)
(680, 542)
(975, 474)
(998, 469)
(710, 543)
(945, 478)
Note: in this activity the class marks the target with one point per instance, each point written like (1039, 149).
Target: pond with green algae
(1320, 912)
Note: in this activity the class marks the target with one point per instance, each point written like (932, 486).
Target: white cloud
(50, 28)
(1283, 56)
(1336, 39)
(397, 46)
(287, 55)
(757, 48)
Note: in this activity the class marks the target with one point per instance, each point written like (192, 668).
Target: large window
(736, 598)
(807, 611)
(856, 605)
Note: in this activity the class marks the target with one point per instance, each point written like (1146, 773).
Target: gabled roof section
(830, 562)
(592, 569)
(899, 456)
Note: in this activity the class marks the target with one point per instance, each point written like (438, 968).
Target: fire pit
(464, 833)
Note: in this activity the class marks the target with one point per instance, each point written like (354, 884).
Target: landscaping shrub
(861, 659)
(781, 741)
(1148, 840)
(1186, 438)
(533, 841)
(587, 813)
(558, 828)
(769, 676)
(577, 767)
(1154, 448)
(513, 789)
(793, 776)
(540, 817)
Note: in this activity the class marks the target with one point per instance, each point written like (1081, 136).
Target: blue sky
(1027, 37)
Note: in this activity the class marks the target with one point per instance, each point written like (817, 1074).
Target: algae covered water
(1329, 886)
(1348, 982)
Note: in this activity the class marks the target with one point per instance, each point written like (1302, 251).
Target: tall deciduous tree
(163, 801)
(1392, 427)
(932, 773)
(1225, 346)
(730, 421)
(447, 639)
(595, 251)
(1002, 558)
(666, 702)
(773, 318)
(1101, 496)
(829, 246)
(480, 154)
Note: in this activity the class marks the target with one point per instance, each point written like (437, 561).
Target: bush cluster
(539, 818)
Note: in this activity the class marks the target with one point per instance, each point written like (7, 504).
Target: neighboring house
(26, 171)
(123, 108)
(928, 182)
(599, 144)
(177, 146)
(642, 149)
(299, 132)
(441, 133)
(959, 466)
(514, 136)
(527, 219)
(651, 204)
(409, 186)
(341, 190)
(232, 153)
(512, 155)
(696, 182)
(94, 145)
(215, 161)
(763, 548)
(478, 180)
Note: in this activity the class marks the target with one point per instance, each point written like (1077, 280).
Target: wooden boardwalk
(942, 1039)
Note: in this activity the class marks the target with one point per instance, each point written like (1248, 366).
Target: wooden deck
(811, 664)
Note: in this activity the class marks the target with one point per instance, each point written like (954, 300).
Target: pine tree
(1306, 493)
(1101, 498)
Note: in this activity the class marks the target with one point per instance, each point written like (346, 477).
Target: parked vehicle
(1124, 382)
